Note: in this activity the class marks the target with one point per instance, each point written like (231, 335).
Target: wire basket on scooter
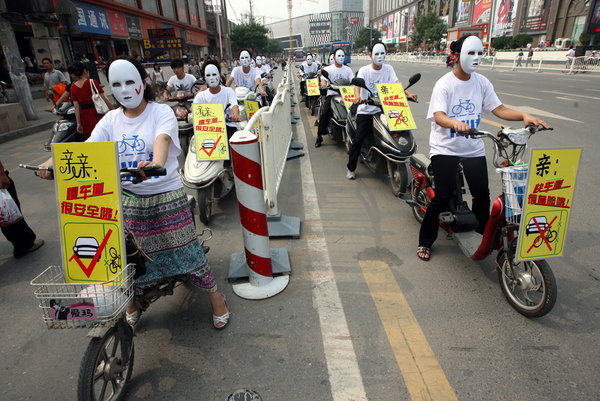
(514, 186)
(82, 305)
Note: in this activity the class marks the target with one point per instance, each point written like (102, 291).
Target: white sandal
(133, 317)
(219, 322)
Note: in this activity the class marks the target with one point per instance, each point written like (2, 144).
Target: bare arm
(63, 98)
(229, 81)
(78, 116)
(160, 151)
(444, 121)
(508, 114)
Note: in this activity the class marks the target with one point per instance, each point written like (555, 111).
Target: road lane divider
(423, 376)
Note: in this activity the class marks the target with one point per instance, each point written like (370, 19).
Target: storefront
(91, 31)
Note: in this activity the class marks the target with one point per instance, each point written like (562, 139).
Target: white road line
(571, 94)
(524, 97)
(540, 113)
(344, 374)
(593, 90)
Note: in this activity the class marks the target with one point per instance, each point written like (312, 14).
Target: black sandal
(424, 253)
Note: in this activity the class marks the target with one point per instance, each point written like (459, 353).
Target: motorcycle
(311, 102)
(65, 128)
(384, 150)
(182, 110)
(337, 124)
(528, 286)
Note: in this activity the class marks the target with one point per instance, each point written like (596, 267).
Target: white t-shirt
(135, 142)
(225, 96)
(307, 69)
(463, 101)
(372, 77)
(336, 73)
(265, 68)
(186, 84)
(246, 80)
(571, 53)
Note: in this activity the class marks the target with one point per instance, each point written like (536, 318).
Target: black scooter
(65, 128)
(385, 149)
(337, 124)
(311, 102)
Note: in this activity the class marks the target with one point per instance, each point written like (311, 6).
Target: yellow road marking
(424, 378)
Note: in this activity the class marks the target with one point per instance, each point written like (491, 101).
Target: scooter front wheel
(398, 177)
(205, 204)
(529, 286)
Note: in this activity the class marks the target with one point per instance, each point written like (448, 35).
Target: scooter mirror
(325, 73)
(359, 82)
(414, 79)
(275, 67)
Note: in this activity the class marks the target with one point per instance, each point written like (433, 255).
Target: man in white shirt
(335, 71)
(180, 81)
(52, 77)
(245, 75)
(308, 66)
(375, 73)
(570, 57)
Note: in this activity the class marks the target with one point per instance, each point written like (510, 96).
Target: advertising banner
(547, 203)
(397, 23)
(481, 12)
(91, 19)
(89, 210)
(133, 26)
(395, 107)
(210, 132)
(118, 24)
(537, 15)
(348, 95)
(312, 87)
(504, 15)
(154, 48)
(461, 16)
(390, 25)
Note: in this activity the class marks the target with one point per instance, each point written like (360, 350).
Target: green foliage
(502, 42)
(429, 30)
(250, 36)
(273, 47)
(364, 38)
(585, 38)
(520, 40)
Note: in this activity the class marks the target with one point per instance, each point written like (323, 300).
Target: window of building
(150, 5)
(182, 12)
(168, 9)
(193, 12)
(131, 3)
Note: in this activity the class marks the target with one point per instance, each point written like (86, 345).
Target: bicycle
(107, 364)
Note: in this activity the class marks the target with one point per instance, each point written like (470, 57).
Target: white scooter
(212, 179)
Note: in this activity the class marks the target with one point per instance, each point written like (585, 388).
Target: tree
(273, 47)
(520, 40)
(249, 36)
(366, 37)
(502, 42)
(429, 29)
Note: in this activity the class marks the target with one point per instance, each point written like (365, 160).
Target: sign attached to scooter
(312, 87)
(251, 107)
(210, 132)
(348, 95)
(395, 107)
(547, 203)
(89, 210)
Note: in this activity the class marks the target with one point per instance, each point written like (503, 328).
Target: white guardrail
(537, 63)
(273, 126)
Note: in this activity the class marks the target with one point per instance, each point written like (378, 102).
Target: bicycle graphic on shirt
(465, 105)
(135, 143)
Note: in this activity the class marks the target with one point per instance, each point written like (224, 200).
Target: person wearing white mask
(375, 73)
(245, 75)
(335, 71)
(308, 66)
(158, 202)
(458, 100)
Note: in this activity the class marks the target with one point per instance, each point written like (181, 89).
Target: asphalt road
(362, 317)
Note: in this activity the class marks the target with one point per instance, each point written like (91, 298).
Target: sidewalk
(44, 122)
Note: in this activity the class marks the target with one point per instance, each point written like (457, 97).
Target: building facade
(346, 5)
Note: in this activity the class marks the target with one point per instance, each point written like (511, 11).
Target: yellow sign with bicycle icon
(395, 107)
(210, 132)
(89, 200)
(547, 203)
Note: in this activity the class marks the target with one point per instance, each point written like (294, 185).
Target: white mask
(331, 59)
(309, 60)
(245, 58)
(130, 89)
(339, 57)
(470, 62)
(252, 63)
(259, 61)
(211, 76)
(378, 54)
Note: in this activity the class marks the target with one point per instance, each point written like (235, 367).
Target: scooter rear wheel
(205, 204)
(530, 287)
(420, 202)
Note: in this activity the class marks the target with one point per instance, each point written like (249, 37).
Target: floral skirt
(164, 227)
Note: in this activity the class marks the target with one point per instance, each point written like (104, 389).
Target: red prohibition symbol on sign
(542, 234)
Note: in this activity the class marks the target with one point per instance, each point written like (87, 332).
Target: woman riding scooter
(457, 102)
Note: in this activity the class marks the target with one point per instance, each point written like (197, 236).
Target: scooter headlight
(193, 143)
(63, 127)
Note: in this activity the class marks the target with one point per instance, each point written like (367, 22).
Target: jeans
(444, 172)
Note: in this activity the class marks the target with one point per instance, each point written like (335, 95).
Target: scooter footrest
(446, 217)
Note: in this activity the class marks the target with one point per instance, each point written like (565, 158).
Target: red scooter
(529, 286)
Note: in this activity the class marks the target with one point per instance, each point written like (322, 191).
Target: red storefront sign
(118, 24)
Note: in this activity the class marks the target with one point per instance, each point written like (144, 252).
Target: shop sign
(118, 25)
(133, 26)
(91, 19)
(161, 33)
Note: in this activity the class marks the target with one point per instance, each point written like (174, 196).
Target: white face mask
(339, 57)
(259, 61)
(309, 60)
(378, 54)
(471, 54)
(211, 76)
(129, 89)
(331, 59)
(245, 58)
(252, 63)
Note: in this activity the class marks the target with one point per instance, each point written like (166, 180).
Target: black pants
(302, 88)
(19, 234)
(325, 116)
(364, 128)
(444, 171)
(230, 132)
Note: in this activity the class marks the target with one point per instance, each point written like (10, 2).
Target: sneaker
(351, 175)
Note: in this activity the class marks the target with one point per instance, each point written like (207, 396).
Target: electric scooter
(529, 286)
(65, 128)
(337, 124)
(385, 149)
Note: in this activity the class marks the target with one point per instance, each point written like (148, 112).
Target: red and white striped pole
(245, 158)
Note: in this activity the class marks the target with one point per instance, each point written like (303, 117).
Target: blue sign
(91, 19)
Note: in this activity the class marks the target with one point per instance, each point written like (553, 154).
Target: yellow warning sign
(348, 95)
(312, 87)
(547, 203)
(395, 107)
(89, 209)
(210, 132)
(251, 107)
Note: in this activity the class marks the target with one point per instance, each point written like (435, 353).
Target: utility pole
(14, 63)
(290, 23)
(227, 31)
(251, 12)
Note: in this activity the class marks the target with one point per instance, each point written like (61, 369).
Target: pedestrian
(375, 73)
(156, 211)
(529, 57)
(520, 58)
(450, 116)
(81, 93)
(181, 81)
(19, 234)
(157, 74)
(54, 81)
(194, 68)
(336, 71)
(570, 57)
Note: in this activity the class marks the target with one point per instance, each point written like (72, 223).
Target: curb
(25, 131)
